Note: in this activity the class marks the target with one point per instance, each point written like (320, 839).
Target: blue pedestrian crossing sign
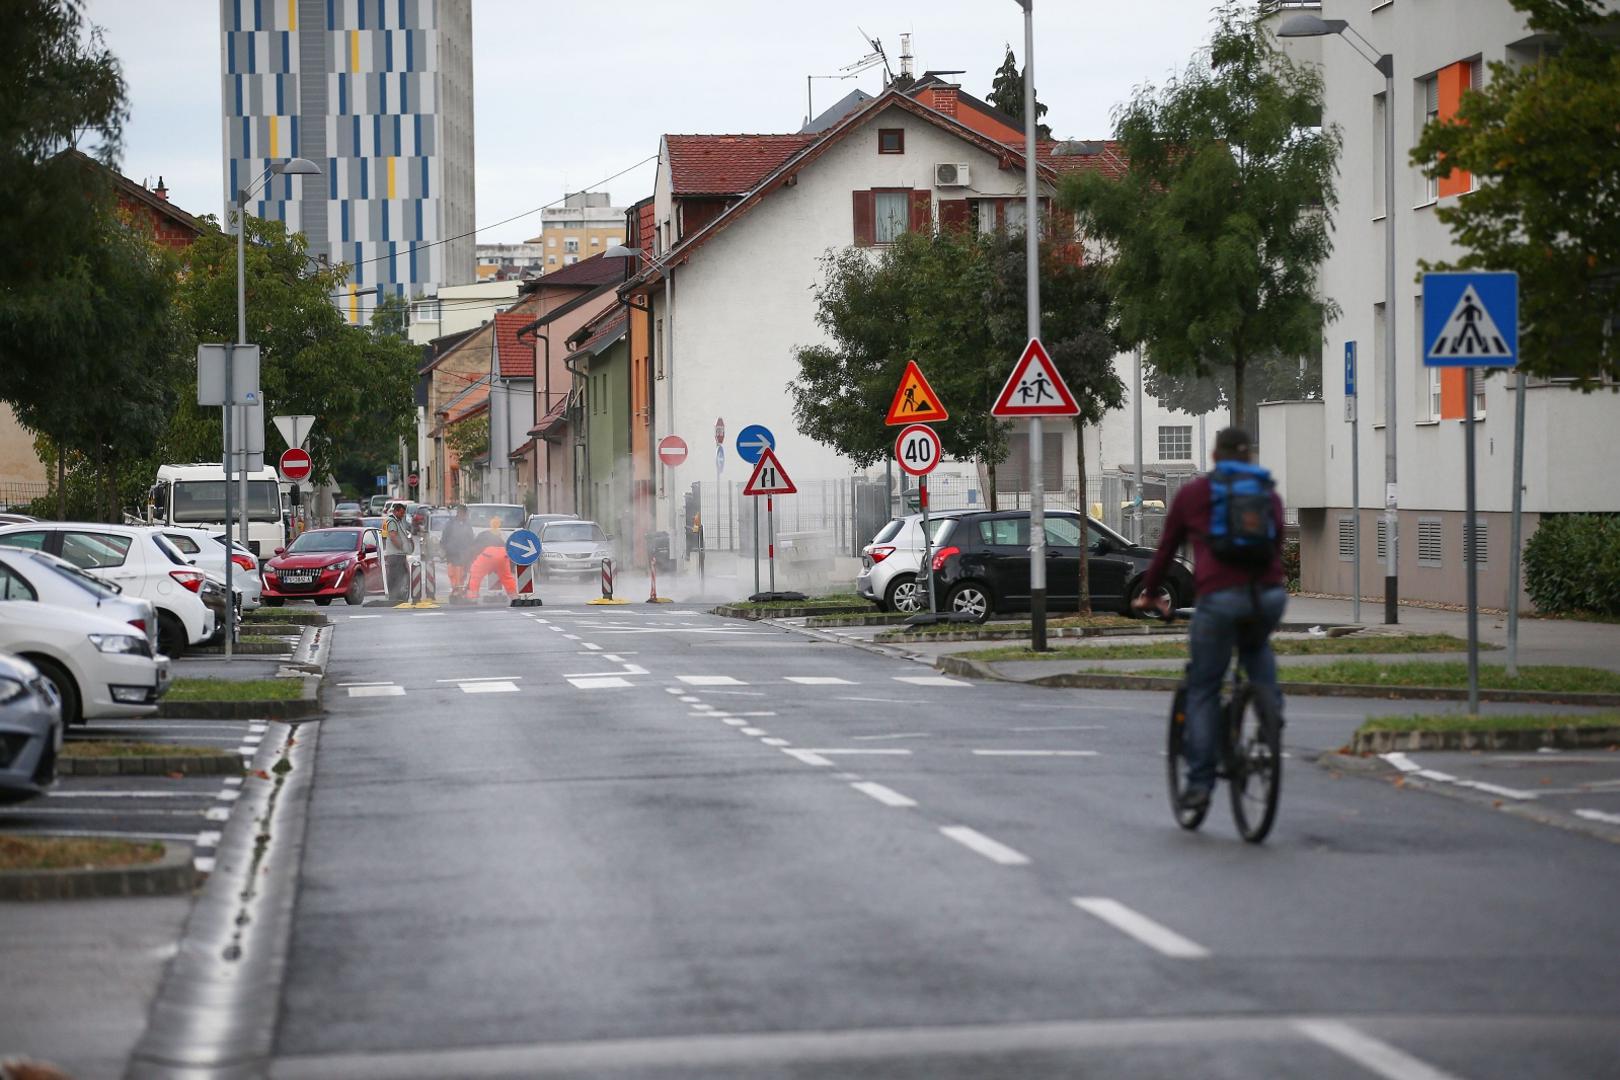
(522, 547)
(1471, 319)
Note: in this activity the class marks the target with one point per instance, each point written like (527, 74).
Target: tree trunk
(1239, 400)
(1085, 518)
(61, 482)
(990, 488)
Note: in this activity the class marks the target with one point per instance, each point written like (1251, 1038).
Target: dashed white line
(818, 680)
(730, 720)
(885, 795)
(901, 735)
(203, 864)
(489, 688)
(930, 680)
(1372, 1054)
(1599, 815)
(773, 741)
(994, 850)
(710, 680)
(754, 731)
(481, 678)
(217, 813)
(1156, 936)
(598, 682)
(591, 646)
(808, 757)
(756, 714)
(377, 691)
(209, 839)
(1035, 753)
(866, 750)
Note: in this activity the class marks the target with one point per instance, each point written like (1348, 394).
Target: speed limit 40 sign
(917, 449)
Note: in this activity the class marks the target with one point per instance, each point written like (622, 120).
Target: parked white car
(35, 575)
(206, 548)
(890, 563)
(30, 730)
(98, 666)
(138, 560)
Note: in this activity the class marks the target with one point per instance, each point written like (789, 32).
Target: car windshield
(323, 540)
(203, 501)
(511, 516)
(576, 531)
(165, 545)
(101, 590)
(346, 508)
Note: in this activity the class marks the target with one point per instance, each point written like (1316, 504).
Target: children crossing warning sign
(915, 401)
(1471, 319)
(1035, 388)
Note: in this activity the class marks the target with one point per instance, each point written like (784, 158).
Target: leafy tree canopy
(1218, 227)
(1544, 142)
(1007, 94)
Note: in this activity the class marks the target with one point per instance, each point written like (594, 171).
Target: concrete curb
(312, 651)
(829, 622)
(215, 1013)
(732, 611)
(223, 763)
(1559, 738)
(304, 707)
(891, 651)
(1149, 630)
(173, 873)
(242, 648)
(979, 669)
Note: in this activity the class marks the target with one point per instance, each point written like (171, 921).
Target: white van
(194, 496)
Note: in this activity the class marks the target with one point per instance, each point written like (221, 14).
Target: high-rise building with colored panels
(379, 94)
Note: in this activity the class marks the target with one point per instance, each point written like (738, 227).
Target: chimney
(945, 98)
(160, 191)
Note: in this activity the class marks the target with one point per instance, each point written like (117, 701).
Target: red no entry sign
(672, 450)
(296, 465)
(413, 479)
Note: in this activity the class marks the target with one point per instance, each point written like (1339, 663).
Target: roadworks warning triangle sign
(1035, 388)
(769, 478)
(1470, 333)
(915, 401)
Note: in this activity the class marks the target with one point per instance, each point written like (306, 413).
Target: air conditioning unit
(951, 174)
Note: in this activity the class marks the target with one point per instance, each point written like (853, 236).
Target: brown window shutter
(953, 215)
(865, 219)
(922, 217)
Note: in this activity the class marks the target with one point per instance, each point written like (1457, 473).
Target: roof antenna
(876, 56)
(905, 56)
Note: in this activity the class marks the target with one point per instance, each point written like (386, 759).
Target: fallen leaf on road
(261, 774)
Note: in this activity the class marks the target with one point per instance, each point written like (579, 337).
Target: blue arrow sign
(522, 547)
(754, 440)
(1349, 369)
(1471, 319)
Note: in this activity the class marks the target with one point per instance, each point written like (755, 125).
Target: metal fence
(17, 494)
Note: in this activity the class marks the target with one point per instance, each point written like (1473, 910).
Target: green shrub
(1290, 561)
(1572, 564)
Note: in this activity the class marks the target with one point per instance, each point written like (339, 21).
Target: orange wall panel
(1453, 80)
(1452, 383)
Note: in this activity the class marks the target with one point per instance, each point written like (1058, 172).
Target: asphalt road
(648, 842)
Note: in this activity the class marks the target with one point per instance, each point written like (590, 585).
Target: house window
(571, 245)
(1380, 118)
(987, 220)
(595, 241)
(890, 209)
(1175, 443)
(1431, 113)
(551, 260)
(570, 260)
(891, 140)
(1431, 546)
(658, 349)
(551, 241)
(1434, 393)
(882, 216)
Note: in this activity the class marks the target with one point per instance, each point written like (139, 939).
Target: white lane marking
(1154, 935)
(903, 735)
(687, 698)
(481, 678)
(434, 614)
(710, 680)
(868, 750)
(571, 637)
(124, 794)
(1065, 727)
(377, 691)
(120, 834)
(253, 740)
(591, 645)
(775, 742)
(1497, 789)
(738, 693)
(885, 795)
(1435, 774)
(616, 657)
(852, 777)
(373, 682)
(731, 720)
(258, 728)
(1035, 753)
(209, 839)
(881, 700)
(558, 629)
(754, 731)
(625, 669)
(247, 751)
(818, 680)
(217, 813)
(977, 842)
(677, 691)
(930, 680)
(489, 688)
(598, 682)
(228, 794)
(1401, 761)
(756, 714)
(1372, 1054)
(365, 616)
(203, 864)
(809, 757)
(233, 781)
(1599, 815)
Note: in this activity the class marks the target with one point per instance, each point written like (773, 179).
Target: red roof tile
(602, 333)
(727, 164)
(1108, 160)
(589, 273)
(517, 357)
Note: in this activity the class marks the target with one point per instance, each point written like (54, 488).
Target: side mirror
(281, 551)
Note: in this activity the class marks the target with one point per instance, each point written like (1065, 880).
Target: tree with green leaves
(1270, 377)
(1007, 94)
(1216, 231)
(1543, 141)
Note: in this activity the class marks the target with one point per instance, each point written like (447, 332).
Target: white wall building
(455, 308)
(1439, 48)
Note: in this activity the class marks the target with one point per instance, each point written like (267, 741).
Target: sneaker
(1195, 799)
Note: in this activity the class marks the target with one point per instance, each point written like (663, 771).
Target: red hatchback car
(323, 564)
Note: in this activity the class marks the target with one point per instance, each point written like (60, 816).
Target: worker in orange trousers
(491, 548)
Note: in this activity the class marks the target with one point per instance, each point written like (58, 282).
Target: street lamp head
(619, 251)
(296, 167)
(1303, 26)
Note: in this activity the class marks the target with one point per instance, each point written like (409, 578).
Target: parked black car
(981, 566)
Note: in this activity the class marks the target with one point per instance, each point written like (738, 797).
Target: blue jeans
(1226, 619)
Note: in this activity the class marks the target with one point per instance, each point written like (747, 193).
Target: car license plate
(298, 579)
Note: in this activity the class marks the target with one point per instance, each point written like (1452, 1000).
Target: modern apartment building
(1440, 49)
(379, 94)
(587, 223)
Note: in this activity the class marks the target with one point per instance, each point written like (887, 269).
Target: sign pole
(230, 392)
(1352, 410)
(756, 545)
(928, 554)
(1470, 544)
(1032, 275)
(770, 524)
(1516, 529)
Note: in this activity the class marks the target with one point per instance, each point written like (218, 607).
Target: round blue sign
(754, 440)
(522, 547)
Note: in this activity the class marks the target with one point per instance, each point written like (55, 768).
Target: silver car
(890, 563)
(50, 580)
(573, 547)
(30, 730)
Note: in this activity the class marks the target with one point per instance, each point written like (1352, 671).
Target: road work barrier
(652, 573)
(526, 595)
(607, 586)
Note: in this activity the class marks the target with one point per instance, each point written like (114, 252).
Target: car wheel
(66, 688)
(1166, 589)
(322, 601)
(272, 601)
(972, 599)
(357, 591)
(172, 639)
(906, 595)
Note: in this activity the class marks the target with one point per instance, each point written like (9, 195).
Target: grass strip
(235, 690)
(112, 748)
(1490, 722)
(1441, 673)
(284, 614)
(1176, 649)
(73, 853)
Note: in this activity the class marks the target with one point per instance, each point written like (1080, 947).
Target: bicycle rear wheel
(1175, 762)
(1253, 764)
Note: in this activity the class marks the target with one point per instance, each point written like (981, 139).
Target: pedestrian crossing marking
(819, 680)
(489, 687)
(930, 680)
(599, 682)
(710, 680)
(389, 690)
(1470, 331)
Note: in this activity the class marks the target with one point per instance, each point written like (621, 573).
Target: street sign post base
(772, 597)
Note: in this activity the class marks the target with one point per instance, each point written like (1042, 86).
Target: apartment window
(571, 245)
(658, 349)
(551, 241)
(1347, 539)
(1175, 443)
(551, 260)
(1380, 118)
(1478, 538)
(1379, 362)
(1430, 542)
(891, 140)
(595, 241)
(1430, 97)
(1434, 392)
(570, 260)
(882, 216)
(1479, 394)
(427, 311)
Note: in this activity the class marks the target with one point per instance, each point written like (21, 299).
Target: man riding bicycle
(1235, 522)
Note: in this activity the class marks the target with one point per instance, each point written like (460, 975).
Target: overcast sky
(569, 93)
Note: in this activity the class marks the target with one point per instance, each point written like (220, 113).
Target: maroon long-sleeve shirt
(1189, 520)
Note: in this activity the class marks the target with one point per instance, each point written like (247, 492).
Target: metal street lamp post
(1313, 26)
(1032, 297)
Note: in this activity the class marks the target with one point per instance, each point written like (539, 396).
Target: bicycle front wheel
(1175, 762)
(1254, 764)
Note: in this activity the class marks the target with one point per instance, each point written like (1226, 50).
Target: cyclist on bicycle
(1235, 522)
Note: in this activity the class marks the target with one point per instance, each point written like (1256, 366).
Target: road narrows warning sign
(1035, 388)
(769, 478)
(914, 400)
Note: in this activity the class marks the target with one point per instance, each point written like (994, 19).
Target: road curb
(223, 763)
(312, 651)
(733, 611)
(173, 873)
(1563, 737)
(216, 1010)
(891, 651)
(305, 707)
(1056, 632)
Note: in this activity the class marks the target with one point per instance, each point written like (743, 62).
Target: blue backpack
(1241, 530)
